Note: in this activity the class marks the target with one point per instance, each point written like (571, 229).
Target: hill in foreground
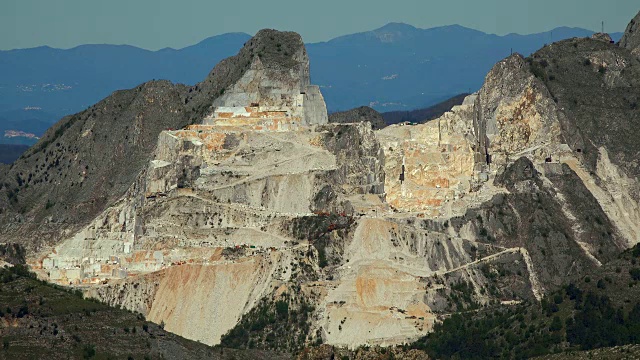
(43, 321)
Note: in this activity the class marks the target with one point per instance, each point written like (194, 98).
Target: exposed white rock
(206, 231)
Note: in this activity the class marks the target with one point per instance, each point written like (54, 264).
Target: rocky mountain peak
(277, 49)
(274, 90)
(631, 37)
(509, 69)
(602, 37)
(513, 112)
(267, 61)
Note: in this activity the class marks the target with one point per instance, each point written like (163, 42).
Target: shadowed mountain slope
(363, 113)
(422, 115)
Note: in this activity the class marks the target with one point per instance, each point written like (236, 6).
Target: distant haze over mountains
(395, 67)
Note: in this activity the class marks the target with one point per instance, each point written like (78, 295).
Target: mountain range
(395, 67)
(239, 214)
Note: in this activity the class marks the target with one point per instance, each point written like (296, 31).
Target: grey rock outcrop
(4, 169)
(608, 89)
(554, 221)
(604, 37)
(276, 82)
(598, 114)
(631, 37)
(272, 64)
(360, 162)
(513, 112)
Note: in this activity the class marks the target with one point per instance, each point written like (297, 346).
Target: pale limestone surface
(226, 291)
(438, 160)
(282, 99)
(210, 191)
(202, 236)
(379, 299)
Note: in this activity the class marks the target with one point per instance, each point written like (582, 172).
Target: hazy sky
(154, 24)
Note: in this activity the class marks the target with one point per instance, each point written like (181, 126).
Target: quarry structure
(270, 99)
(369, 236)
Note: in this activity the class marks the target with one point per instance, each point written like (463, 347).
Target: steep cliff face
(358, 180)
(514, 113)
(218, 200)
(272, 64)
(524, 167)
(596, 86)
(208, 215)
(429, 167)
(631, 37)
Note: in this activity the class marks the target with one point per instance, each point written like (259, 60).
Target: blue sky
(154, 24)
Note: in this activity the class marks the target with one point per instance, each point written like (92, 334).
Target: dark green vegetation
(611, 353)
(9, 153)
(42, 321)
(281, 325)
(602, 309)
(423, 115)
(328, 352)
(12, 253)
(325, 232)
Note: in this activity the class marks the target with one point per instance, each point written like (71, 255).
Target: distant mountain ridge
(400, 67)
(394, 67)
(423, 115)
(65, 81)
